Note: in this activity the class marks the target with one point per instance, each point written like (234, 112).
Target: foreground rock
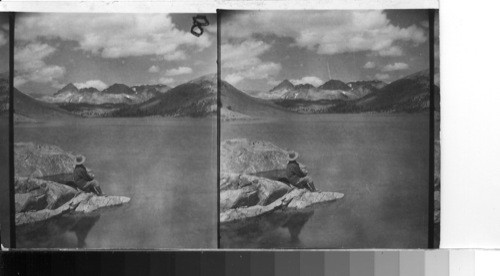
(43, 185)
(39, 160)
(253, 182)
(296, 199)
(82, 203)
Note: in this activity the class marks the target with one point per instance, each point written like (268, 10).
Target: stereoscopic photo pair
(241, 129)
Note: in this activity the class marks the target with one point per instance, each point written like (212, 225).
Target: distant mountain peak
(334, 85)
(285, 84)
(118, 88)
(70, 87)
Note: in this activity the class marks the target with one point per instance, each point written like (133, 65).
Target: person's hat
(292, 155)
(80, 159)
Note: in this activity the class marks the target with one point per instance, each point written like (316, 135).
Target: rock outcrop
(41, 185)
(253, 183)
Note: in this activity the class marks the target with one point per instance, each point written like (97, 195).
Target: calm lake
(379, 161)
(168, 168)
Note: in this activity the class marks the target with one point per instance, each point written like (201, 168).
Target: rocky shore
(44, 188)
(253, 182)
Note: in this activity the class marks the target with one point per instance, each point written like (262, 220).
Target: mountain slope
(26, 106)
(237, 101)
(195, 98)
(408, 94)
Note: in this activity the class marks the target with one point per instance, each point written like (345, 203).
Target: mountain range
(198, 98)
(408, 94)
(114, 94)
(330, 90)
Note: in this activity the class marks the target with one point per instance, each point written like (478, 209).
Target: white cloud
(233, 78)
(394, 51)
(243, 61)
(369, 65)
(98, 84)
(113, 35)
(327, 32)
(30, 65)
(382, 76)
(178, 71)
(154, 69)
(166, 81)
(311, 80)
(395, 67)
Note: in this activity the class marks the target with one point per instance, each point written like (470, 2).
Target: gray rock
(32, 201)
(82, 203)
(39, 160)
(244, 156)
(244, 197)
(295, 199)
(56, 194)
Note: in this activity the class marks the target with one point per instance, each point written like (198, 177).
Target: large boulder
(239, 190)
(56, 194)
(245, 156)
(31, 201)
(40, 160)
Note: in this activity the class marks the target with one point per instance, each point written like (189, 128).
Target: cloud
(178, 71)
(311, 80)
(98, 84)
(30, 65)
(327, 32)
(233, 78)
(395, 67)
(394, 51)
(154, 69)
(382, 76)
(243, 61)
(369, 65)
(166, 81)
(113, 35)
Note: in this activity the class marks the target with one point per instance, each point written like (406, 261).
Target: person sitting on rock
(83, 179)
(296, 176)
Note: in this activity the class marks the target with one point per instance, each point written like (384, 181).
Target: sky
(52, 50)
(4, 43)
(259, 49)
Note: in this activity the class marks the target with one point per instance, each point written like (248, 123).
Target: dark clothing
(293, 172)
(81, 176)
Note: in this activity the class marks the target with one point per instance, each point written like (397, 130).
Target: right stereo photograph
(328, 129)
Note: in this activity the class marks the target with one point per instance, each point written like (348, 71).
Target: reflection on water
(67, 231)
(280, 228)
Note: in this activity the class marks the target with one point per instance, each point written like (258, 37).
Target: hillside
(408, 94)
(195, 98)
(28, 109)
(237, 101)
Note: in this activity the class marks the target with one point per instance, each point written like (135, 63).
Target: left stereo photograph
(114, 130)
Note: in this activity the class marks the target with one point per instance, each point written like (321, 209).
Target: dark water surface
(379, 161)
(168, 168)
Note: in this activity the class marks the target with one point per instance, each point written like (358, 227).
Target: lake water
(168, 168)
(379, 161)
